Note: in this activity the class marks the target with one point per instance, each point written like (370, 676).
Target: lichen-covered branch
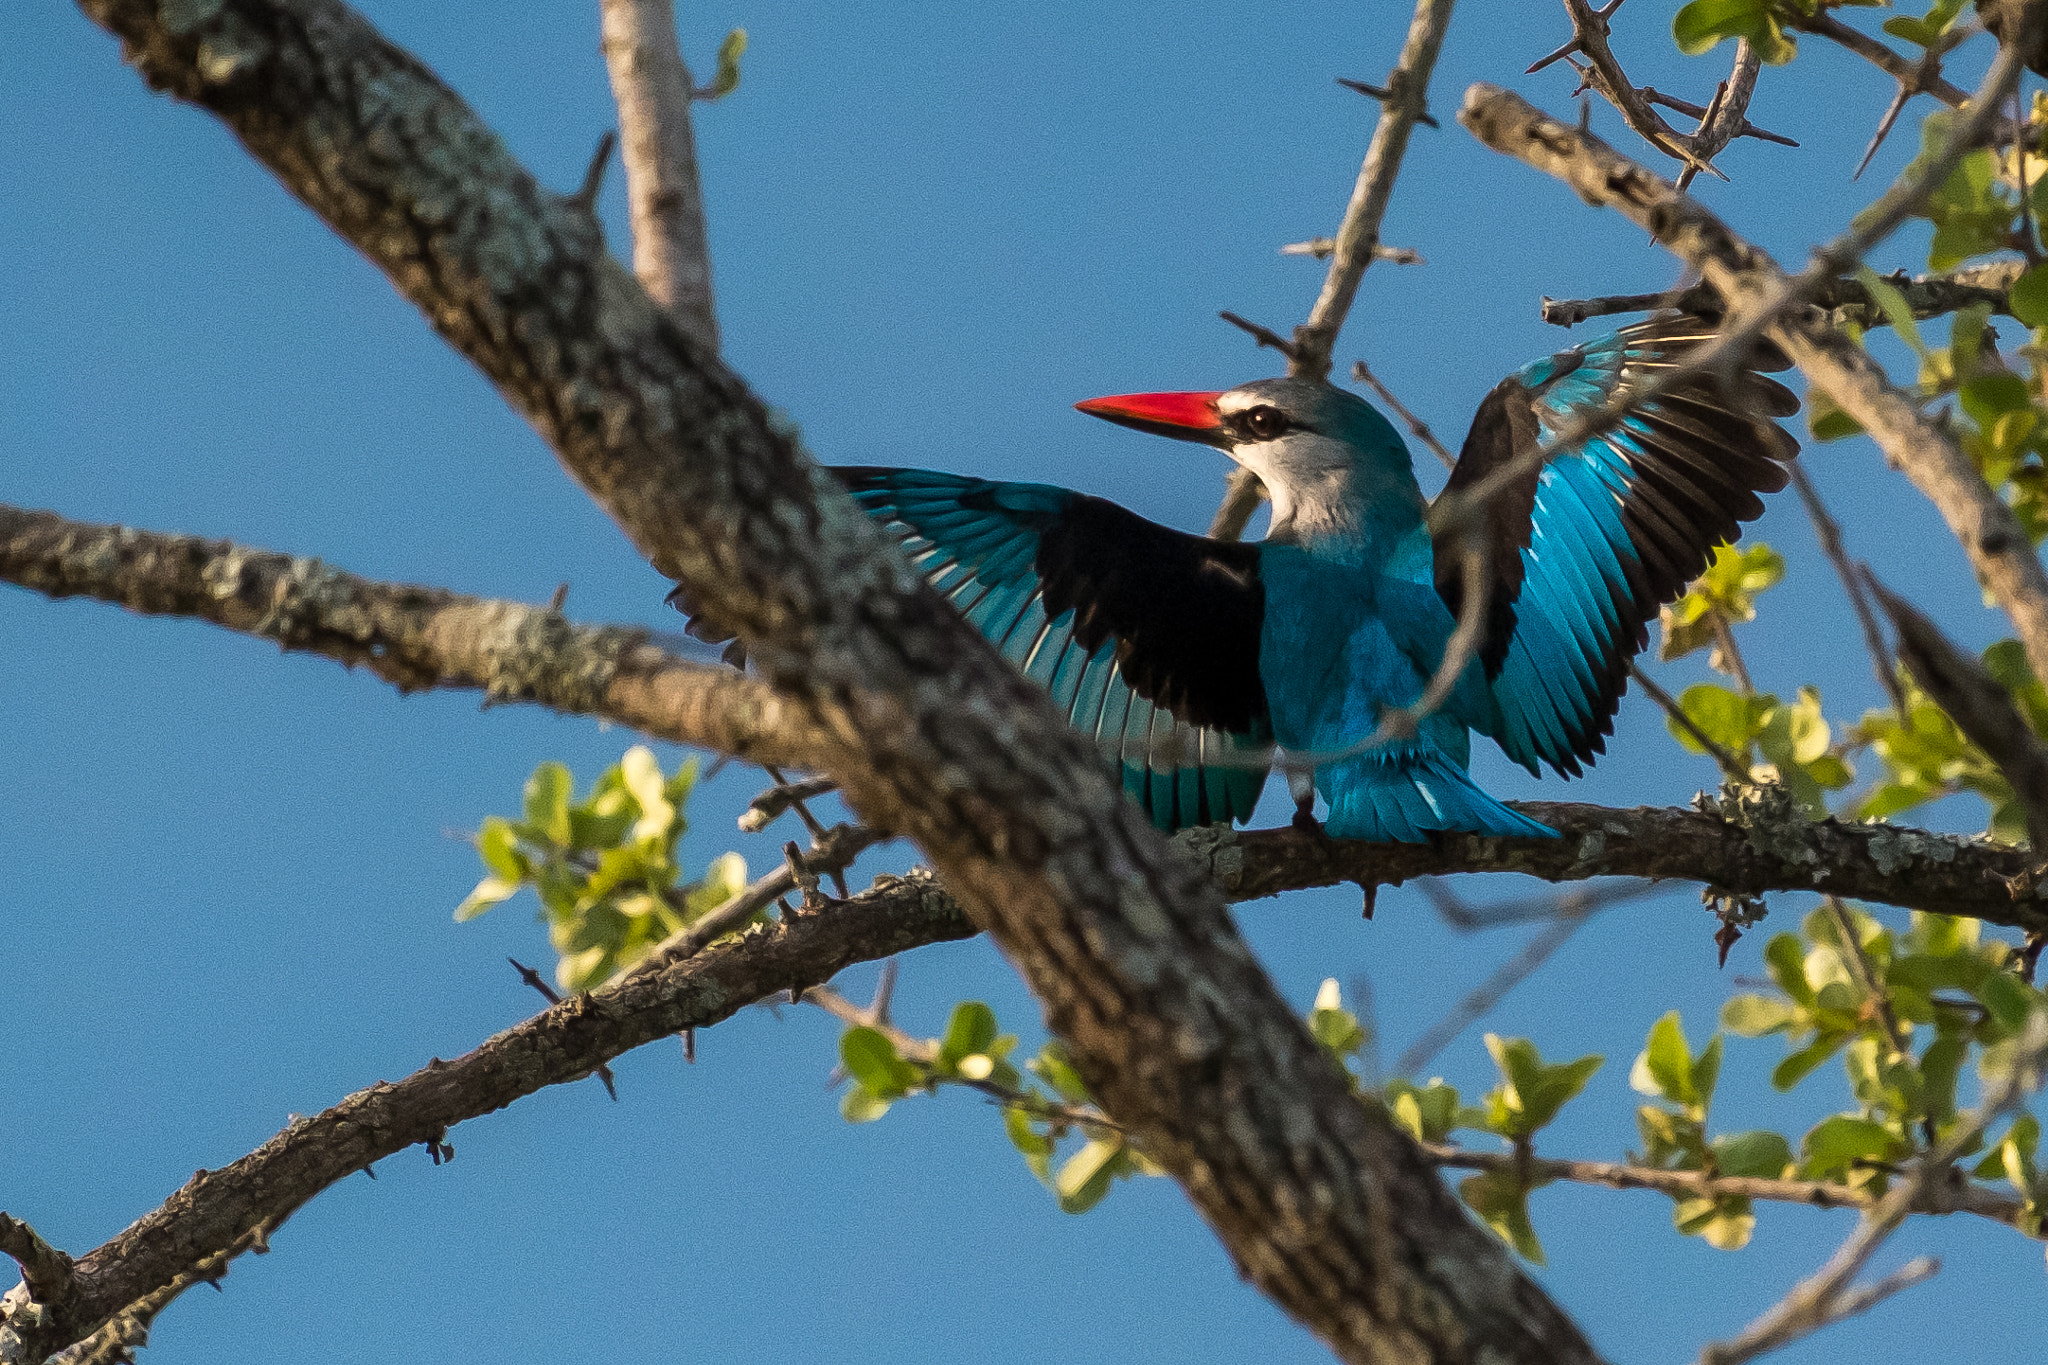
(425, 637)
(412, 637)
(1180, 1036)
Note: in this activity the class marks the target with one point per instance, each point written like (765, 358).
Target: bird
(1190, 659)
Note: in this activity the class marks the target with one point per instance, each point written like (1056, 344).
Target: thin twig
(1573, 910)
(1979, 705)
(1829, 532)
(1970, 1198)
(553, 997)
(1729, 764)
(1698, 111)
(1824, 1297)
(1415, 424)
(1322, 247)
(1405, 104)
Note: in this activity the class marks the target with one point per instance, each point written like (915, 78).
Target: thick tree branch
(671, 249)
(411, 637)
(1182, 1039)
(1757, 291)
(424, 637)
(217, 1210)
(1358, 236)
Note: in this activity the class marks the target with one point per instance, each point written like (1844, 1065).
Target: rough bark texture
(1323, 1204)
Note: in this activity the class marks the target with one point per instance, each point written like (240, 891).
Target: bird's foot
(1305, 821)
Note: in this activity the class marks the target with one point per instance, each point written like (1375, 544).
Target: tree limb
(652, 85)
(1756, 289)
(1324, 1205)
(424, 637)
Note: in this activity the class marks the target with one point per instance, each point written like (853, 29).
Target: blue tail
(1404, 794)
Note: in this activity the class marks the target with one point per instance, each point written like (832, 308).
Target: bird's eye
(1265, 422)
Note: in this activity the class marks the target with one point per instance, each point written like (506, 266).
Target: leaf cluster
(604, 867)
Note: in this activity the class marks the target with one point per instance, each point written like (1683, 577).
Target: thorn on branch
(1322, 248)
(1383, 94)
(1654, 96)
(1884, 128)
(553, 997)
(1265, 336)
(585, 197)
(1577, 44)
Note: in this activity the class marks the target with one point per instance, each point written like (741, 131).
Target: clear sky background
(935, 227)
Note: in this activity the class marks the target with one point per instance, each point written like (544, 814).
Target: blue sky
(934, 228)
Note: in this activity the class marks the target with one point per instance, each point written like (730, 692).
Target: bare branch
(1416, 425)
(1731, 765)
(1820, 1194)
(1846, 299)
(423, 637)
(1326, 1206)
(1908, 71)
(1358, 237)
(1762, 299)
(1699, 111)
(671, 249)
(411, 637)
(1829, 533)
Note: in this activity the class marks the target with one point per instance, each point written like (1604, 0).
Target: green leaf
(1826, 420)
(642, 775)
(1533, 1092)
(2008, 998)
(1724, 1224)
(1086, 1175)
(1335, 1027)
(1429, 1113)
(1665, 1066)
(862, 1105)
(1753, 1016)
(1800, 1064)
(727, 79)
(547, 803)
(2029, 297)
(1503, 1202)
(1764, 1155)
(1701, 24)
(1052, 1067)
(1895, 308)
(871, 1059)
(499, 848)
(1785, 958)
(1837, 1145)
(1729, 718)
(971, 1032)
(489, 892)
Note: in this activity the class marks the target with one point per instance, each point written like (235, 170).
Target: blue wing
(1587, 548)
(1145, 637)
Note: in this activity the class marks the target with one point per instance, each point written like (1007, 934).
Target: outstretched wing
(1146, 637)
(1587, 546)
